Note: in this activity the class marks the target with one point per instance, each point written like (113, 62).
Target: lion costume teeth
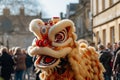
(60, 56)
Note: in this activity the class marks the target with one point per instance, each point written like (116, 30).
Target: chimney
(22, 11)
(6, 11)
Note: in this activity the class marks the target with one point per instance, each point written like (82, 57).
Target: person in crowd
(29, 64)
(0, 64)
(34, 69)
(109, 47)
(0, 52)
(6, 64)
(116, 63)
(10, 52)
(105, 59)
(93, 45)
(118, 48)
(20, 63)
(115, 46)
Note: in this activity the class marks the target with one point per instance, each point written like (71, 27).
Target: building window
(103, 4)
(88, 14)
(97, 6)
(112, 35)
(104, 37)
(97, 38)
(111, 2)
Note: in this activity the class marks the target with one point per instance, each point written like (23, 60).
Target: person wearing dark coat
(37, 73)
(105, 59)
(7, 64)
(116, 63)
(117, 49)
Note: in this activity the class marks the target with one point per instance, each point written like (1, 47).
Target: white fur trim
(29, 50)
(34, 42)
(48, 67)
(33, 23)
(35, 28)
(50, 52)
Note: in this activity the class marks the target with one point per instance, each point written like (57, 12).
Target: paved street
(32, 76)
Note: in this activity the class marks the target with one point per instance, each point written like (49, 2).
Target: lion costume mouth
(45, 61)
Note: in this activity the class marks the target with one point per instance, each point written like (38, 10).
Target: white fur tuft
(35, 27)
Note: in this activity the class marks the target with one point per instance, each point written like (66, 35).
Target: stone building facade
(80, 15)
(14, 29)
(106, 21)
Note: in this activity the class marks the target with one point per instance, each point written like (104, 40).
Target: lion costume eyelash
(60, 56)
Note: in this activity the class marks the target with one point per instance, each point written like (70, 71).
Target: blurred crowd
(109, 56)
(15, 62)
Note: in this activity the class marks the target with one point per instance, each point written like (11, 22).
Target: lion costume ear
(34, 27)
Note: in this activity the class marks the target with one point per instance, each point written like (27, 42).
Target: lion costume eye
(61, 36)
(43, 30)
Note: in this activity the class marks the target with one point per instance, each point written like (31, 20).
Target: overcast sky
(52, 8)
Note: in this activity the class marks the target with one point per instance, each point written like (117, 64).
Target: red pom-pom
(45, 42)
(39, 42)
(42, 43)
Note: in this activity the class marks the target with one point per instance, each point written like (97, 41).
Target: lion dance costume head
(59, 55)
